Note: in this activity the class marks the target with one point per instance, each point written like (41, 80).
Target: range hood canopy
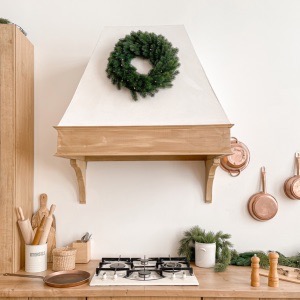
(185, 122)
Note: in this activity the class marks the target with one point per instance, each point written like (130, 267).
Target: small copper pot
(292, 184)
(262, 206)
(238, 160)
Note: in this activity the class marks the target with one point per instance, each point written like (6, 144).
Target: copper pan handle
(22, 275)
(235, 139)
(263, 180)
(297, 155)
(234, 174)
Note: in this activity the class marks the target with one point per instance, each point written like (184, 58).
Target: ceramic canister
(205, 255)
(35, 258)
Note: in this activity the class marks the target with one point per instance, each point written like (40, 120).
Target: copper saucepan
(61, 279)
(262, 206)
(238, 160)
(292, 184)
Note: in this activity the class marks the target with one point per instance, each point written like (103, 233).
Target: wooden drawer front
(230, 298)
(145, 298)
(55, 298)
(14, 298)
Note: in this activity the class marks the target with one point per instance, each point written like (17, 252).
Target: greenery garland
(157, 49)
(6, 21)
(244, 259)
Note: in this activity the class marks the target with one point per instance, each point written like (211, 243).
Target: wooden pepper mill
(273, 280)
(255, 271)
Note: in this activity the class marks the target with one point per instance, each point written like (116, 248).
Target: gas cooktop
(144, 271)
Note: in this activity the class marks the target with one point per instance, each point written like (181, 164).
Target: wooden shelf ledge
(81, 144)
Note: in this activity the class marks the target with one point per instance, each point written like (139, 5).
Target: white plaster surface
(191, 100)
(250, 52)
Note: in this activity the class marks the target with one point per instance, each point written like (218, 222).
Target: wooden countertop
(234, 282)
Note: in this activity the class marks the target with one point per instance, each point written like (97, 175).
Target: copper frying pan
(238, 160)
(292, 184)
(262, 206)
(61, 279)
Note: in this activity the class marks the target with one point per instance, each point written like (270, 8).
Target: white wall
(250, 51)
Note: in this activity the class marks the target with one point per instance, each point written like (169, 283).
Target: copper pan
(238, 160)
(262, 206)
(61, 279)
(292, 184)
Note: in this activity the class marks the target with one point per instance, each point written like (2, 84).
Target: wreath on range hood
(157, 49)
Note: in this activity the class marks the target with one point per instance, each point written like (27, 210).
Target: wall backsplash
(250, 52)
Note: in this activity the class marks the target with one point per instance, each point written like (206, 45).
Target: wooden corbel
(80, 170)
(211, 165)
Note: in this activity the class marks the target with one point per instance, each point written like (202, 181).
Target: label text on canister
(38, 253)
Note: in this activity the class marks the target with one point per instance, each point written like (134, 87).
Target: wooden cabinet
(58, 298)
(144, 298)
(16, 141)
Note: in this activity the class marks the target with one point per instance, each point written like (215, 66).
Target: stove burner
(144, 261)
(117, 265)
(172, 264)
(144, 273)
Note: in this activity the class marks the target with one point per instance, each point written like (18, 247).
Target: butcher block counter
(231, 284)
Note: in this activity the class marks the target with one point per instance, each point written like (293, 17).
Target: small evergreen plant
(196, 234)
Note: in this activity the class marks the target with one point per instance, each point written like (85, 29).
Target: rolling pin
(25, 227)
(39, 232)
(47, 227)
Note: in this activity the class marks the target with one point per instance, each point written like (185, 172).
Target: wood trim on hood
(184, 142)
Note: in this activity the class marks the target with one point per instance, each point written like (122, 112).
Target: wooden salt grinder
(255, 271)
(273, 280)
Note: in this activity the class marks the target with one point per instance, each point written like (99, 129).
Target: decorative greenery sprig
(196, 234)
(6, 21)
(244, 259)
(161, 55)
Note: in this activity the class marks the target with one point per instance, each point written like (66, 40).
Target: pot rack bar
(81, 144)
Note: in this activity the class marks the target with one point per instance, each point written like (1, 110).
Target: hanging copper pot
(238, 160)
(292, 184)
(262, 206)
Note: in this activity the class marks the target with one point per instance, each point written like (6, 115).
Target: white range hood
(185, 122)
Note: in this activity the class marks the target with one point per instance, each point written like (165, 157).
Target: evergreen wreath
(161, 55)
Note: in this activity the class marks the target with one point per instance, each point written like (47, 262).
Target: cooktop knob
(115, 276)
(104, 276)
(173, 276)
(183, 275)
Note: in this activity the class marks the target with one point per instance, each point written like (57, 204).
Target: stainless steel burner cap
(172, 264)
(117, 265)
(144, 273)
(144, 261)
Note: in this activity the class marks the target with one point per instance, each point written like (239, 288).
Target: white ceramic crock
(205, 255)
(35, 258)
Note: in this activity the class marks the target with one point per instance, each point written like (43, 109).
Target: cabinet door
(145, 298)
(230, 298)
(56, 298)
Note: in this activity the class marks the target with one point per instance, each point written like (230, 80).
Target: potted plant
(198, 244)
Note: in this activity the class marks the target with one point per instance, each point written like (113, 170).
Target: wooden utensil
(39, 232)
(292, 184)
(25, 227)
(262, 206)
(36, 220)
(48, 225)
(238, 160)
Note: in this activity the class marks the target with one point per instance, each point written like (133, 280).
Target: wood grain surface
(234, 283)
(16, 137)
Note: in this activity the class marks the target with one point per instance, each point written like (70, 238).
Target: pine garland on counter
(161, 55)
(244, 259)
